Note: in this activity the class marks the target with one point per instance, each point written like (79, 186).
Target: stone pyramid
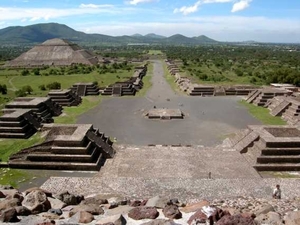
(54, 52)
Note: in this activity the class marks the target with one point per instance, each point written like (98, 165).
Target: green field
(262, 114)
(155, 52)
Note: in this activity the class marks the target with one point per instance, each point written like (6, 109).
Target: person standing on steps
(277, 192)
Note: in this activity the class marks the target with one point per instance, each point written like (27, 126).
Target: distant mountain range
(38, 33)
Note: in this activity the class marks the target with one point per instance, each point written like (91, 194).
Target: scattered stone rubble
(36, 206)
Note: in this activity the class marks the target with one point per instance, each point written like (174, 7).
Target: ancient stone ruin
(84, 89)
(269, 148)
(21, 123)
(128, 87)
(165, 114)
(65, 97)
(66, 147)
(42, 107)
(54, 52)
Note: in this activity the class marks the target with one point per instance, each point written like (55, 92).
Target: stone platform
(165, 114)
(66, 147)
(65, 97)
(84, 89)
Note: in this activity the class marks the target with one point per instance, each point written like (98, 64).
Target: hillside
(18, 35)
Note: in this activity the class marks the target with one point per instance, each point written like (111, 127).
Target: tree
(20, 93)
(25, 72)
(54, 85)
(27, 89)
(3, 89)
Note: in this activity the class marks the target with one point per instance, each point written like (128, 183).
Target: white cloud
(237, 6)
(241, 5)
(93, 6)
(135, 2)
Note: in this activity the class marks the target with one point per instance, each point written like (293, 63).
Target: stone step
(252, 96)
(12, 123)
(14, 129)
(280, 151)
(26, 135)
(70, 150)
(278, 159)
(287, 144)
(277, 167)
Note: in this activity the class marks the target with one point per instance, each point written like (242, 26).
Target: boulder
(236, 220)
(45, 223)
(16, 195)
(56, 203)
(9, 203)
(22, 211)
(122, 209)
(6, 187)
(158, 202)
(197, 217)
(194, 206)
(55, 211)
(143, 212)
(82, 217)
(118, 200)
(49, 216)
(91, 208)
(97, 200)
(36, 202)
(2, 195)
(269, 218)
(47, 193)
(69, 199)
(292, 218)
(264, 210)
(201, 217)
(115, 220)
(135, 203)
(172, 212)
(9, 215)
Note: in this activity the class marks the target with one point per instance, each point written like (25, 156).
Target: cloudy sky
(223, 20)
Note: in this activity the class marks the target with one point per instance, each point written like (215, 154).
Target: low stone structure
(84, 89)
(42, 107)
(128, 87)
(21, 123)
(67, 147)
(165, 114)
(269, 148)
(65, 97)
(262, 97)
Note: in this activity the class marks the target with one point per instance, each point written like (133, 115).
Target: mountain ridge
(39, 33)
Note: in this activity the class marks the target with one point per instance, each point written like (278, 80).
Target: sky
(222, 20)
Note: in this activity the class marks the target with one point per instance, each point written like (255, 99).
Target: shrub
(25, 72)
(42, 87)
(20, 93)
(54, 85)
(27, 89)
(3, 89)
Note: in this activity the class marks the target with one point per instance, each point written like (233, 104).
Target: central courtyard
(207, 121)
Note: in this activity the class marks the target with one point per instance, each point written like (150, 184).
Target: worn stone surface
(236, 220)
(270, 218)
(22, 211)
(98, 200)
(193, 207)
(9, 215)
(143, 212)
(69, 199)
(116, 220)
(36, 202)
(292, 218)
(94, 209)
(172, 212)
(158, 202)
(159, 222)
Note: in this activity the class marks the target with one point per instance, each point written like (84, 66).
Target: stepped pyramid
(54, 52)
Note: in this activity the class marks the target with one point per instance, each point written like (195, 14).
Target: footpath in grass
(262, 114)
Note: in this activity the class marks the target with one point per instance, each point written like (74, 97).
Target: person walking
(277, 192)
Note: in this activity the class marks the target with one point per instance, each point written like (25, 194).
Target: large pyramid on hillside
(55, 52)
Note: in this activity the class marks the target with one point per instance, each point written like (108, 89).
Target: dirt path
(13, 87)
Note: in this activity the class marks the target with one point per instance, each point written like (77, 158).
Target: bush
(20, 93)
(25, 72)
(54, 85)
(3, 89)
(27, 89)
(95, 82)
(42, 87)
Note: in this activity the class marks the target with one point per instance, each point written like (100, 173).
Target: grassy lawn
(147, 81)
(70, 114)
(262, 114)
(155, 52)
(13, 176)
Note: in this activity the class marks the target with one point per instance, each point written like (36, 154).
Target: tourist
(277, 192)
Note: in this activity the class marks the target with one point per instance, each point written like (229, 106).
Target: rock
(82, 217)
(158, 202)
(36, 202)
(9, 192)
(9, 203)
(46, 223)
(97, 200)
(56, 203)
(22, 211)
(118, 201)
(69, 199)
(194, 207)
(269, 218)
(123, 209)
(159, 222)
(91, 208)
(135, 203)
(16, 195)
(115, 220)
(197, 217)
(2, 195)
(143, 212)
(236, 220)
(264, 210)
(292, 218)
(9, 215)
(55, 211)
(172, 212)
(47, 193)
(6, 187)
(49, 216)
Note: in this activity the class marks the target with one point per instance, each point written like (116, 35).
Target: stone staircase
(292, 114)
(252, 95)
(202, 91)
(65, 97)
(262, 97)
(20, 124)
(84, 89)
(278, 105)
(117, 91)
(74, 147)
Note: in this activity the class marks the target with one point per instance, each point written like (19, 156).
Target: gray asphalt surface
(207, 122)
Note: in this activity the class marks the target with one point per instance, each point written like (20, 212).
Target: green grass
(13, 177)
(262, 114)
(70, 114)
(155, 52)
(11, 146)
(147, 81)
